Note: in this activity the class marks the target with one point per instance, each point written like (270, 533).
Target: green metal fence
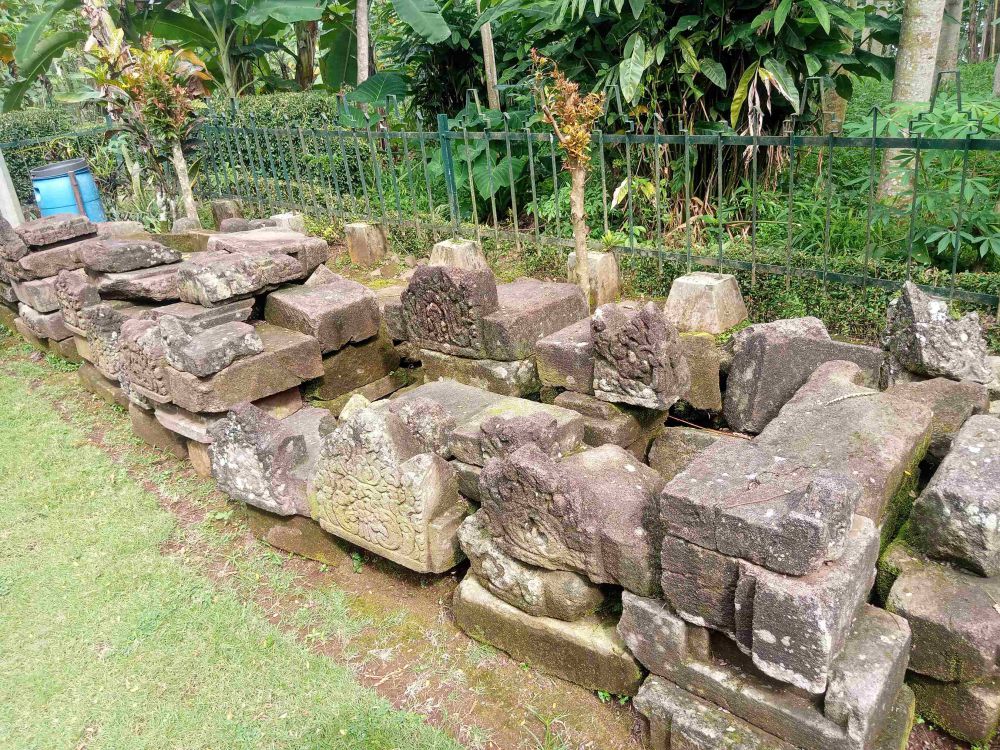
(798, 204)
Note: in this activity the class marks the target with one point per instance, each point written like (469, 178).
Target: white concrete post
(10, 206)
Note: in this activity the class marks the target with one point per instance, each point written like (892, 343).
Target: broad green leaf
(821, 13)
(632, 67)
(684, 23)
(637, 7)
(286, 11)
(339, 65)
(177, 27)
(688, 53)
(379, 87)
(490, 174)
(713, 71)
(740, 97)
(784, 81)
(424, 17)
(781, 14)
(813, 65)
(28, 38)
(661, 51)
(44, 53)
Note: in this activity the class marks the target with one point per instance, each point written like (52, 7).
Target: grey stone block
(336, 313)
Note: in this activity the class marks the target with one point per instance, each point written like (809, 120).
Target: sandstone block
(30, 337)
(234, 224)
(8, 297)
(197, 426)
(159, 284)
(529, 310)
(390, 307)
(459, 254)
(587, 652)
(290, 221)
(969, 711)
(676, 447)
(538, 592)
(200, 458)
(189, 348)
(56, 228)
(355, 366)
(299, 535)
(566, 358)
(74, 292)
(151, 432)
(950, 402)
(637, 357)
(605, 285)
(143, 357)
(704, 358)
(118, 256)
(104, 388)
(12, 247)
(44, 325)
(922, 336)
(336, 313)
(443, 309)
(508, 378)
(122, 230)
(210, 281)
(956, 516)
(40, 294)
(366, 243)
(288, 359)
(223, 208)
(592, 513)
(204, 317)
(266, 462)
(703, 301)
(771, 361)
(310, 252)
(47, 262)
(604, 422)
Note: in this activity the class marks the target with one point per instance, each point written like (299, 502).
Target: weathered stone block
(336, 313)
(950, 402)
(565, 358)
(922, 336)
(443, 309)
(234, 224)
(159, 284)
(40, 294)
(605, 285)
(529, 310)
(44, 325)
(676, 447)
(104, 388)
(508, 378)
(143, 357)
(875, 438)
(119, 256)
(224, 208)
(289, 220)
(205, 317)
(969, 711)
(536, 591)
(637, 357)
(957, 516)
(375, 487)
(354, 366)
(200, 458)
(30, 337)
(12, 247)
(704, 301)
(459, 254)
(56, 228)
(704, 357)
(605, 422)
(366, 243)
(299, 535)
(150, 431)
(593, 513)
(122, 230)
(197, 426)
(41, 264)
(288, 359)
(771, 361)
(390, 307)
(74, 292)
(587, 652)
(310, 252)
(210, 281)
(204, 352)
(8, 297)
(266, 462)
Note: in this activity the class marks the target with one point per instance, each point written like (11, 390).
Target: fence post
(449, 170)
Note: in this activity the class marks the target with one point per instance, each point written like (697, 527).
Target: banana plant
(35, 50)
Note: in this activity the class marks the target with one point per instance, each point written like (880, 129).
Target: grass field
(109, 641)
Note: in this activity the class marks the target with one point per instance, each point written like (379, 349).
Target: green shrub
(305, 108)
(28, 124)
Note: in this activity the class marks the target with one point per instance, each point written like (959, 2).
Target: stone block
(289, 220)
(74, 292)
(538, 592)
(459, 254)
(704, 301)
(676, 447)
(44, 325)
(41, 264)
(443, 309)
(336, 313)
(104, 388)
(565, 358)
(704, 357)
(529, 310)
(954, 618)
(462, 402)
(30, 337)
(924, 338)
(508, 378)
(593, 513)
(224, 208)
(299, 535)
(771, 361)
(200, 458)
(184, 224)
(366, 243)
(355, 366)
(376, 487)
(158, 284)
(956, 516)
(587, 652)
(203, 352)
(792, 626)
(323, 275)
(198, 426)
(604, 422)
(122, 230)
(41, 293)
(266, 462)
(371, 392)
(143, 359)
(205, 317)
(150, 431)
(468, 480)
(66, 349)
(969, 711)
(8, 297)
(605, 285)
(390, 307)
(119, 256)
(950, 402)
(233, 225)
(288, 359)
(855, 713)
(638, 358)
(263, 223)
(56, 228)
(12, 247)
(310, 252)
(212, 280)
(878, 439)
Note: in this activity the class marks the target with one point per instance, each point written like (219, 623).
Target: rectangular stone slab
(969, 711)
(159, 284)
(587, 652)
(44, 263)
(56, 228)
(206, 317)
(44, 325)
(355, 366)
(288, 359)
(867, 676)
(119, 256)
(565, 358)
(40, 294)
(337, 313)
(529, 310)
(508, 378)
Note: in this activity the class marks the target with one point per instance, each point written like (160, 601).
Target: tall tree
(996, 79)
(951, 32)
(361, 25)
(914, 78)
(489, 61)
(306, 37)
(973, 32)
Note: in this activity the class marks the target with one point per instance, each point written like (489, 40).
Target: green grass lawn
(107, 641)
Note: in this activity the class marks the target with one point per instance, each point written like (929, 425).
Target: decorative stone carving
(142, 356)
(443, 308)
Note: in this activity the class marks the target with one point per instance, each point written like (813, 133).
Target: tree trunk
(834, 111)
(306, 36)
(996, 79)
(973, 41)
(914, 79)
(951, 31)
(361, 21)
(578, 218)
(489, 61)
(183, 180)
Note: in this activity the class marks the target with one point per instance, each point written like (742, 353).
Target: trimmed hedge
(305, 108)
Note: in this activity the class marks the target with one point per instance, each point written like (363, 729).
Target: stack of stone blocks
(724, 577)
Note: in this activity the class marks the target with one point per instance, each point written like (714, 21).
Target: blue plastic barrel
(67, 187)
